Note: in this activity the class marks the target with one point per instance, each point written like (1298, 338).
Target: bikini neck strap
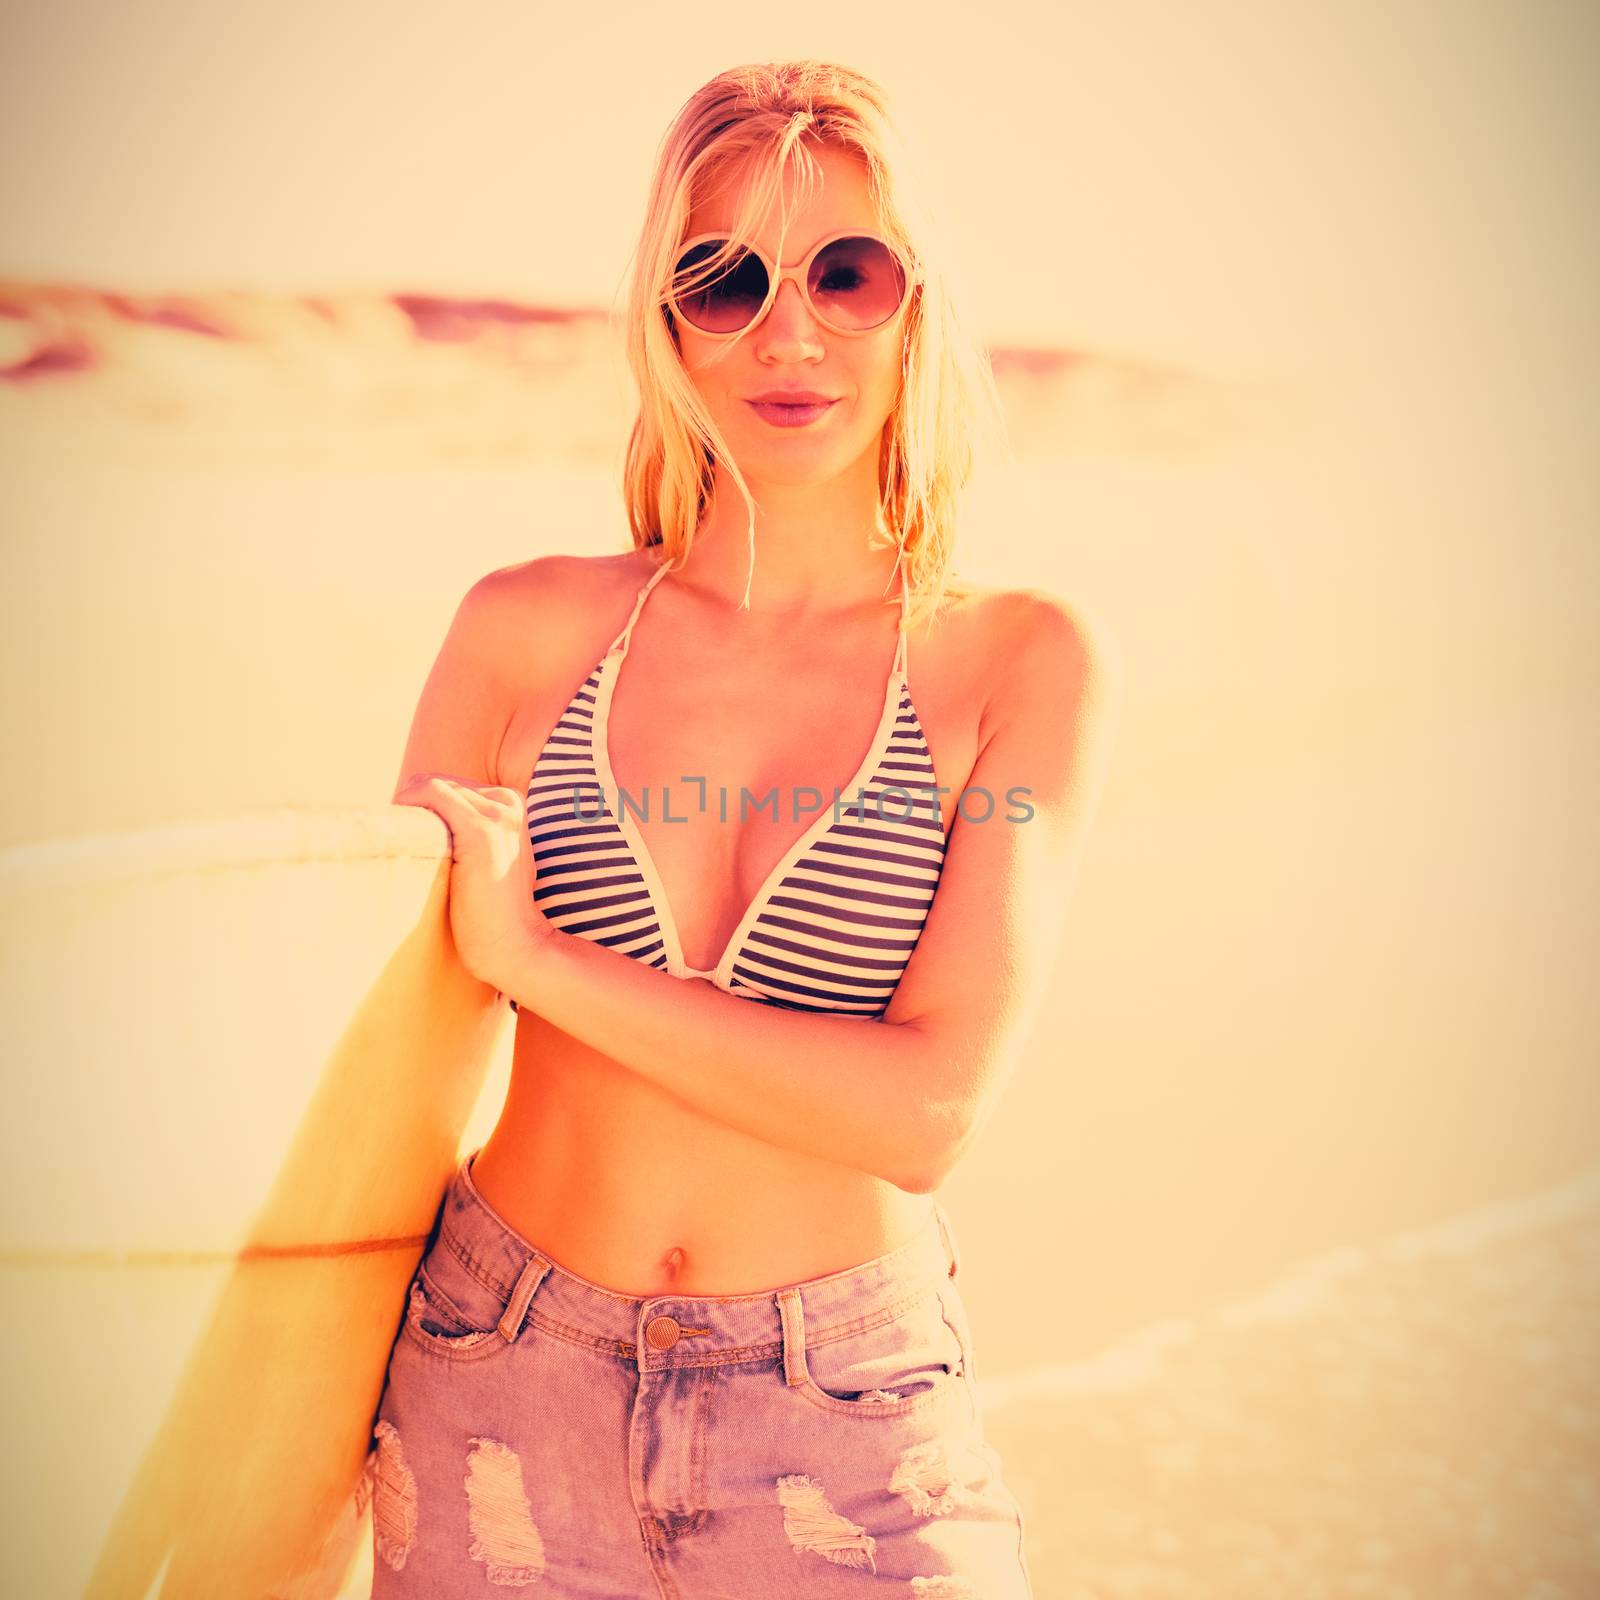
(619, 645)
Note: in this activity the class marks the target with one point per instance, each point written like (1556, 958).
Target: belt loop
(794, 1337)
(517, 1307)
(948, 1234)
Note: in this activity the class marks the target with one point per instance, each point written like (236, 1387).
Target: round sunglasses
(853, 282)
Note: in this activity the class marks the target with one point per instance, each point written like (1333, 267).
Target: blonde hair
(753, 122)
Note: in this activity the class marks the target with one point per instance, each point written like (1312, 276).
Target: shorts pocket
(899, 1363)
(451, 1312)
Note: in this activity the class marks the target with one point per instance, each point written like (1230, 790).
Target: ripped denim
(539, 1431)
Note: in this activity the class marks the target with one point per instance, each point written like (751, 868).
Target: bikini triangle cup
(834, 923)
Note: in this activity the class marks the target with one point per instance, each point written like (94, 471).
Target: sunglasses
(852, 283)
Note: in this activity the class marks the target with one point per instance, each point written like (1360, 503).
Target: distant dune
(355, 377)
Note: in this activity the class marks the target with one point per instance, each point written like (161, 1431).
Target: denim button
(661, 1333)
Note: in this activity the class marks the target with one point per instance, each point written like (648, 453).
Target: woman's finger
(496, 799)
(475, 798)
(463, 821)
(424, 787)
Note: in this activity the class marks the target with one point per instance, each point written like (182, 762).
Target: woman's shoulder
(562, 580)
(520, 622)
(1029, 638)
(1018, 624)
(560, 595)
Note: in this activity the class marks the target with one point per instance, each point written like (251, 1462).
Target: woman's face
(790, 348)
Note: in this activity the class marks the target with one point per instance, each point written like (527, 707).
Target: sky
(1240, 185)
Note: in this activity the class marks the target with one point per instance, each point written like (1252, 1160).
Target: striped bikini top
(833, 926)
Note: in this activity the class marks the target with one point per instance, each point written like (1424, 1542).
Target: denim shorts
(539, 1431)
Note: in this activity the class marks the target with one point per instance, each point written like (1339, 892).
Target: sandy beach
(1327, 979)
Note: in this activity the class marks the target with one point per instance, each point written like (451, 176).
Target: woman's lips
(785, 416)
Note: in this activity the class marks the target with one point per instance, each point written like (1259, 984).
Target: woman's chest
(708, 777)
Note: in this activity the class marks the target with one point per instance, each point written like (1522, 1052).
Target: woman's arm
(904, 1098)
(462, 711)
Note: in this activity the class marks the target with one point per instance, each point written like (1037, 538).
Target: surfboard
(245, 1061)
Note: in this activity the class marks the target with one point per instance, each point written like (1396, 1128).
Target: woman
(689, 1324)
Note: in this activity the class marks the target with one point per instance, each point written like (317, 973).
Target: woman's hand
(492, 914)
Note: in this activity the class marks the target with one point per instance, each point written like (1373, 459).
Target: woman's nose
(789, 317)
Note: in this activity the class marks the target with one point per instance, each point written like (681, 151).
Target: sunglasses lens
(857, 283)
(725, 302)
(854, 284)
